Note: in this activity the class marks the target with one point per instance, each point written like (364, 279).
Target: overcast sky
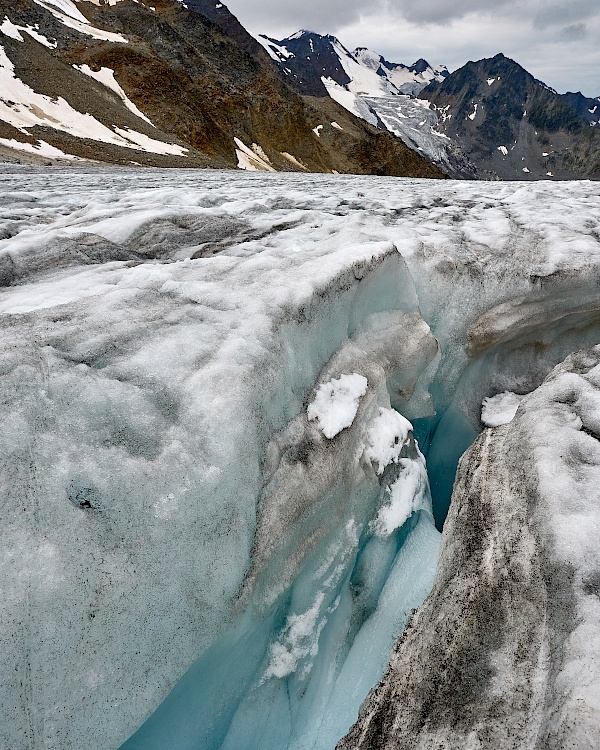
(558, 42)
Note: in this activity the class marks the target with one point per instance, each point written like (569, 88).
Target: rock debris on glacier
(505, 652)
(176, 525)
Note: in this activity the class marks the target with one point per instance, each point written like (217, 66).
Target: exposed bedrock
(504, 652)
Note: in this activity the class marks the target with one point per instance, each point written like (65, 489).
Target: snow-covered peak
(368, 58)
(362, 72)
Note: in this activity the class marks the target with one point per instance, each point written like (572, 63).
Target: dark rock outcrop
(513, 126)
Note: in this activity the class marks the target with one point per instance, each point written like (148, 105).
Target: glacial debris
(504, 652)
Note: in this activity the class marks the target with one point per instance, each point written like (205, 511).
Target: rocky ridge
(165, 85)
(513, 126)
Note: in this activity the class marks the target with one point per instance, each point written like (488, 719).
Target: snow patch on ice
(387, 436)
(299, 639)
(408, 494)
(500, 409)
(336, 403)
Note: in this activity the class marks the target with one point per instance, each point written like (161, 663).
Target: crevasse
(168, 499)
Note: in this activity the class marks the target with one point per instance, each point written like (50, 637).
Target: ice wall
(504, 653)
(180, 522)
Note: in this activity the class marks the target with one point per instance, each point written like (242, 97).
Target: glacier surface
(505, 651)
(217, 394)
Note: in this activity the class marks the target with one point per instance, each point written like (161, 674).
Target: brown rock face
(201, 84)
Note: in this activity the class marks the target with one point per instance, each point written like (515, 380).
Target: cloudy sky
(558, 42)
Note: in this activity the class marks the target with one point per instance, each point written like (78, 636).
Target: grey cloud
(573, 32)
(557, 14)
(317, 15)
(332, 15)
(442, 11)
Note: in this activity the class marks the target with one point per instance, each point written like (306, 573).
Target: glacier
(504, 653)
(232, 410)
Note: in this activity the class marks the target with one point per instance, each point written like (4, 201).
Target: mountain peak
(420, 66)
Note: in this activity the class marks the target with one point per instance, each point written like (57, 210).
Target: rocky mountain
(313, 63)
(168, 84)
(488, 120)
(380, 92)
(513, 126)
(588, 109)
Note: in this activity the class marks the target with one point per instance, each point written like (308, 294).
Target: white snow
(151, 145)
(525, 169)
(503, 149)
(408, 494)
(387, 437)
(335, 125)
(500, 409)
(106, 76)
(474, 113)
(252, 159)
(335, 403)
(41, 149)
(275, 51)
(299, 639)
(69, 15)
(294, 160)
(23, 108)
(490, 81)
(66, 7)
(9, 29)
(317, 130)
(14, 32)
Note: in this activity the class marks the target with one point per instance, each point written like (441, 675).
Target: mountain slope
(314, 62)
(372, 88)
(162, 84)
(512, 125)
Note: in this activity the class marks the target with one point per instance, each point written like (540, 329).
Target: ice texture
(508, 642)
(175, 528)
